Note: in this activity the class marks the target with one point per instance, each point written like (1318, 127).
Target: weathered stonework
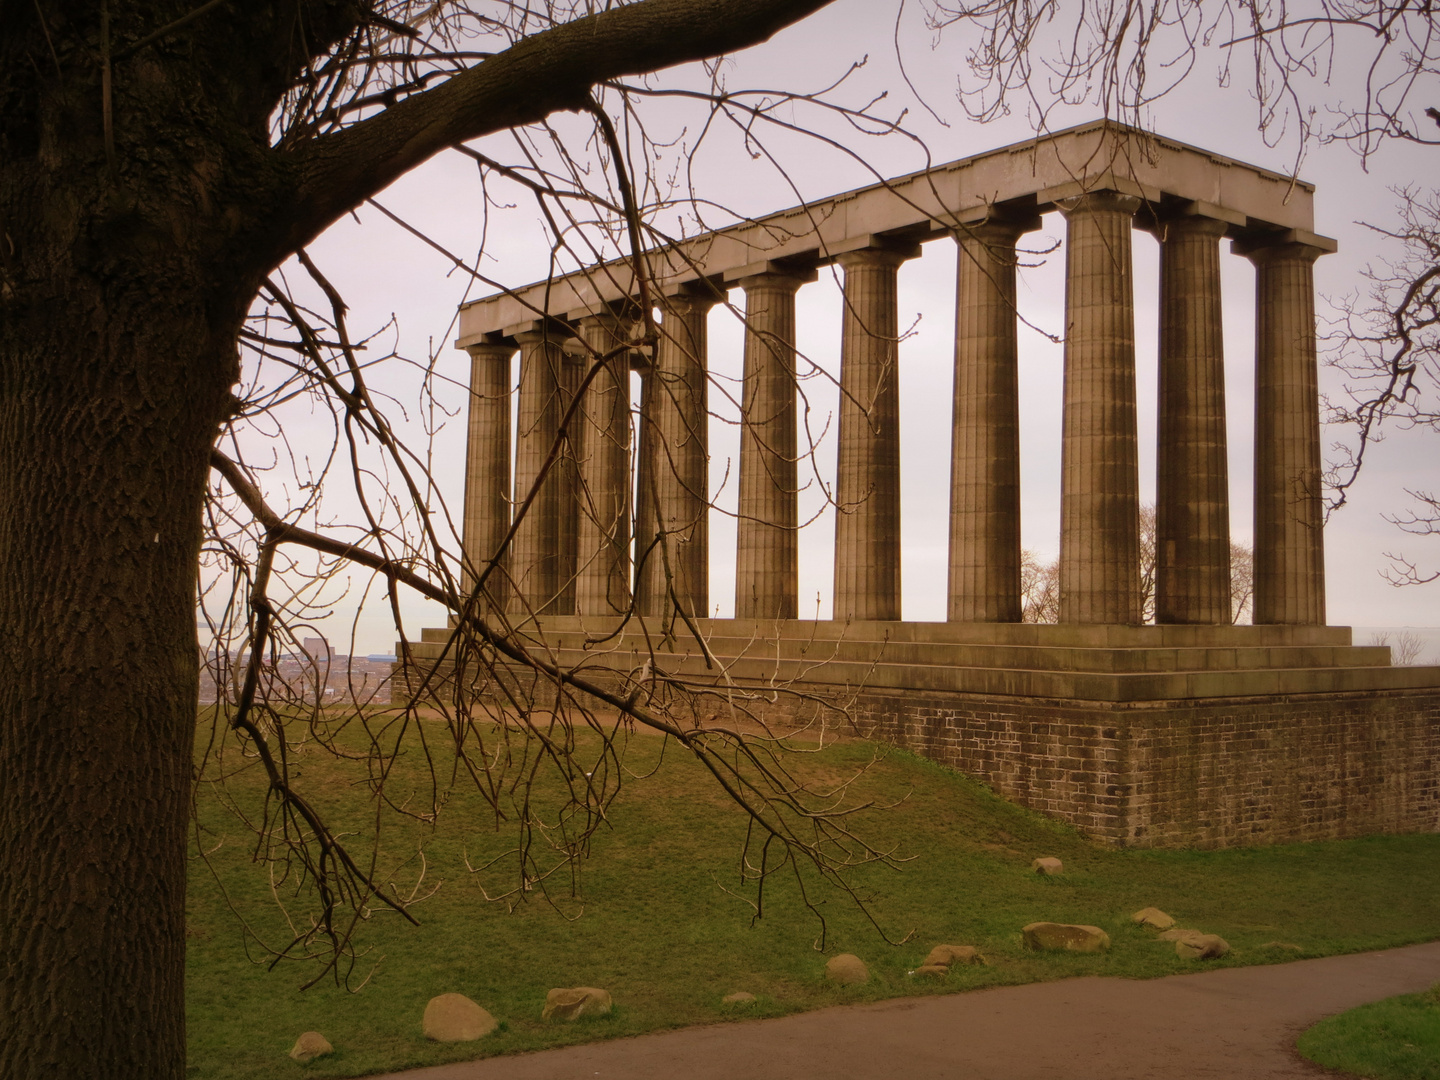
(1208, 774)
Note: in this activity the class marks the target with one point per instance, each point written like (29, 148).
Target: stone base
(1201, 773)
(1146, 736)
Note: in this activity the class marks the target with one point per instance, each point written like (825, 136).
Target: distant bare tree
(1039, 589)
(1242, 582)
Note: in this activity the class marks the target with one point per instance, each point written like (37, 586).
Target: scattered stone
(740, 997)
(932, 971)
(1153, 917)
(945, 955)
(311, 1045)
(1048, 866)
(1179, 934)
(1285, 945)
(1055, 937)
(847, 969)
(455, 1018)
(1202, 947)
(571, 1003)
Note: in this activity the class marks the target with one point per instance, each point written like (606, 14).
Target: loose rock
(1283, 945)
(932, 971)
(1047, 866)
(571, 1003)
(740, 997)
(455, 1018)
(1153, 917)
(1056, 937)
(847, 969)
(945, 955)
(311, 1045)
(1179, 934)
(1202, 947)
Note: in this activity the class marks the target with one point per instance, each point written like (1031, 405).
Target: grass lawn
(659, 932)
(1395, 1039)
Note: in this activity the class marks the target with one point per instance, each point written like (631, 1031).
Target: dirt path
(1233, 1023)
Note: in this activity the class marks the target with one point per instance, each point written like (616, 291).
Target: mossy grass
(1394, 1039)
(659, 930)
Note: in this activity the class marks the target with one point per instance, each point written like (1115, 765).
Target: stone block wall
(1203, 773)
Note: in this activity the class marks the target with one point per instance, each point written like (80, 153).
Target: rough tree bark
(139, 210)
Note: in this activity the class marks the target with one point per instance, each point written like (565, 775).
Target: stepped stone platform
(1140, 736)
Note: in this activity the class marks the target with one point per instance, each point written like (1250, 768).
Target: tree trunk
(108, 406)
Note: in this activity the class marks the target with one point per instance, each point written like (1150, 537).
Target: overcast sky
(382, 270)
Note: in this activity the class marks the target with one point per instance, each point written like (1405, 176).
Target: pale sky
(382, 270)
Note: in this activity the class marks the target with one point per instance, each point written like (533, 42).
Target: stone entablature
(1020, 181)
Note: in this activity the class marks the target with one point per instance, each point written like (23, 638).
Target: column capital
(789, 280)
(555, 337)
(1114, 202)
(500, 350)
(997, 228)
(1267, 247)
(688, 301)
(1166, 226)
(875, 256)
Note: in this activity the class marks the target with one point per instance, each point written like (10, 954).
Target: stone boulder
(311, 1045)
(931, 971)
(1283, 946)
(1048, 866)
(455, 1018)
(1064, 937)
(1202, 947)
(1154, 918)
(946, 955)
(1179, 934)
(847, 969)
(740, 997)
(571, 1003)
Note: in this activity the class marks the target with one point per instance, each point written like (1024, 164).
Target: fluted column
(676, 410)
(985, 433)
(602, 570)
(487, 469)
(1192, 498)
(766, 567)
(543, 551)
(1100, 482)
(1289, 513)
(867, 484)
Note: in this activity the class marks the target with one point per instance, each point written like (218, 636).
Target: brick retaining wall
(1206, 773)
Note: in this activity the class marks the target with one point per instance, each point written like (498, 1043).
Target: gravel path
(1232, 1023)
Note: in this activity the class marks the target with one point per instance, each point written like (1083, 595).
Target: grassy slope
(1395, 1039)
(659, 933)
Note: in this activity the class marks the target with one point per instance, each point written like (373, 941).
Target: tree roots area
(658, 915)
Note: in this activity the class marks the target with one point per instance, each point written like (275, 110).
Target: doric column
(487, 469)
(1192, 497)
(985, 433)
(1100, 481)
(766, 567)
(542, 562)
(677, 413)
(1289, 513)
(867, 484)
(602, 561)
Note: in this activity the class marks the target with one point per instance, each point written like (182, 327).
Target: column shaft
(1289, 513)
(602, 571)
(679, 460)
(1192, 498)
(867, 484)
(487, 470)
(543, 551)
(985, 433)
(1100, 481)
(766, 566)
